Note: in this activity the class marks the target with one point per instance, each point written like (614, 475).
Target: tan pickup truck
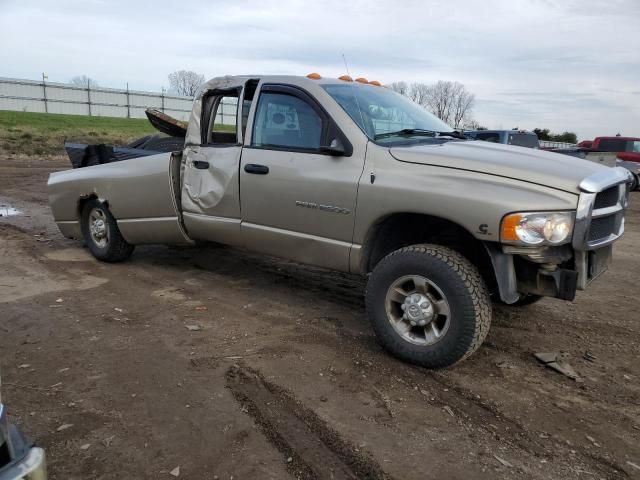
(351, 176)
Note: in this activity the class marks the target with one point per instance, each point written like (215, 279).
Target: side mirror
(335, 149)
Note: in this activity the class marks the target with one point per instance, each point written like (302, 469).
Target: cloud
(564, 65)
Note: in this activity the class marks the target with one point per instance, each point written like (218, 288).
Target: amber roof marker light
(345, 78)
(314, 76)
(375, 83)
(362, 80)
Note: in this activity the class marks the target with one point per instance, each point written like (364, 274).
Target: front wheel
(428, 305)
(101, 233)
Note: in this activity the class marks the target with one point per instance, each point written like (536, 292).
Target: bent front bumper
(19, 459)
(31, 467)
(560, 271)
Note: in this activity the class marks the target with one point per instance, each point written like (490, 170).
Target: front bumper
(19, 459)
(560, 271)
(31, 467)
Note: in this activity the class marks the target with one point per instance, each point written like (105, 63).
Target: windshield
(379, 112)
(636, 146)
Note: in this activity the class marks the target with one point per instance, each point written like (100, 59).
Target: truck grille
(602, 227)
(607, 198)
(600, 215)
(607, 217)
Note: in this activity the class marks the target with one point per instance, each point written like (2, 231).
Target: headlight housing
(537, 228)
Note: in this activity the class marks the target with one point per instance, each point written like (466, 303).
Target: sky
(558, 64)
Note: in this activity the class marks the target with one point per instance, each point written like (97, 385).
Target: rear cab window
(493, 137)
(524, 140)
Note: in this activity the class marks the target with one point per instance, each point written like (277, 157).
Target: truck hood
(554, 170)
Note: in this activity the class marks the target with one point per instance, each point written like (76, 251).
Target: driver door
(298, 194)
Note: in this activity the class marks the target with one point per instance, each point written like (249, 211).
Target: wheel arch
(402, 229)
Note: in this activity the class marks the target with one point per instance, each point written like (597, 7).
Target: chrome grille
(607, 198)
(599, 220)
(607, 216)
(600, 214)
(602, 227)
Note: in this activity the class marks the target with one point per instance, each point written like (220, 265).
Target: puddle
(7, 211)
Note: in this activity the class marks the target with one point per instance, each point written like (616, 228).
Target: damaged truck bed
(83, 155)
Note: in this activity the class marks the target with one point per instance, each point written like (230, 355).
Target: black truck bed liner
(83, 155)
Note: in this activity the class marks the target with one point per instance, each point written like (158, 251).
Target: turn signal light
(509, 225)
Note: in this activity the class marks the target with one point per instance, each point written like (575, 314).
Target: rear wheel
(428, 305)
(101, 233)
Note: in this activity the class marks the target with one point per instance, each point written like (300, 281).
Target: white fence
(50, 97)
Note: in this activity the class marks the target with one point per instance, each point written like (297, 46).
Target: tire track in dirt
(467, 407)
(313, 450)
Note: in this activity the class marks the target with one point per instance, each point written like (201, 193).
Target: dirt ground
(231, 365)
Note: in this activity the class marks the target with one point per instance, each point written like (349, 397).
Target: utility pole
(44, 92)
(128, 103)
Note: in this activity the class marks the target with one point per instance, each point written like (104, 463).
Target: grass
(45, 133)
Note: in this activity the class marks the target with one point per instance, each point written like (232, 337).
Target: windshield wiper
(407, 132)
(410, 132)
(454, 134)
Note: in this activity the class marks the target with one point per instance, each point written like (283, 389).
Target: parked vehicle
(354, 177)
(518, 138)
(627, 148)
(612, 151)
(19, 459)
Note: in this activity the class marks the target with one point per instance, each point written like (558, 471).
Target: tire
(635, 185)
(463, 320)
(523, 301)
(101, 233)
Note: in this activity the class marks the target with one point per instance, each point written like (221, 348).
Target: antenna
(345, 64)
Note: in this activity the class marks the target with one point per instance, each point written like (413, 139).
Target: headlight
(537, 228)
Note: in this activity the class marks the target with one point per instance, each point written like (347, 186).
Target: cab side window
(220, 113)
(286, 122)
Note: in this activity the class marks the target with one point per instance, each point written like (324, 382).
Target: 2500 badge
(326, 208)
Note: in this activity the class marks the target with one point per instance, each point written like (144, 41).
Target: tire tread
(477, 290)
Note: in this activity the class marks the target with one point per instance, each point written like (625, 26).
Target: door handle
(256, 169)
(201, 164)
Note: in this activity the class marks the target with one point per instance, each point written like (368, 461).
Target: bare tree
(418, 92)
(84, 81)
(185, 82)
(400, 87)
(461, 106)
(449, 101)
(472, 124)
